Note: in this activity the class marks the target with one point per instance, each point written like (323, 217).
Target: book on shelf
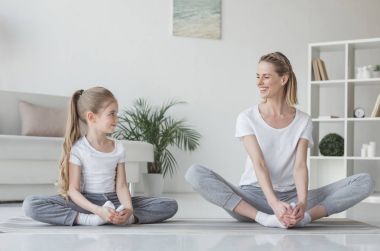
(317, 77)
(376, 108)
(319, 69)
(323, 69)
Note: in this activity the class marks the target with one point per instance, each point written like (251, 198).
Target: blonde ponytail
(283, 67)
(72, 134)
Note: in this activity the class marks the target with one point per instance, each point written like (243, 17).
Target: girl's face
(106, 120)
(270, 84)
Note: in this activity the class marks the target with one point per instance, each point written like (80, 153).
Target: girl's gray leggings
(335, 197)
(58, 211)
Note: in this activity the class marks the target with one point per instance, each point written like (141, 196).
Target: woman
(273, 189)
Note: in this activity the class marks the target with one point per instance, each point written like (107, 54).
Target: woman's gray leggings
(335, 197)
(58, 211)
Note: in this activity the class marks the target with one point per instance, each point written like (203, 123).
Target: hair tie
(81, 92)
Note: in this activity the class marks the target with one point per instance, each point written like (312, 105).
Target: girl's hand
(122, 217)
(106, 213)
(282, 210)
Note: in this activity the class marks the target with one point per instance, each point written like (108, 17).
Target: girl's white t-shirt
(98, 168)
(277, 145)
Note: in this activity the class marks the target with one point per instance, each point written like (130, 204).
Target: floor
(212, 238)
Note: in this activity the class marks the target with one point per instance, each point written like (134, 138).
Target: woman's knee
(370, 183)
(367, 183)
(194, 174)
(168, 208)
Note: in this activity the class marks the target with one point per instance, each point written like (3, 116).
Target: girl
(92, 172)
(273, 189)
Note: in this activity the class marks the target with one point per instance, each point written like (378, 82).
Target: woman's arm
(301, 178)
(300, 173)
(123, 195)
(254, 152)
(77, 197)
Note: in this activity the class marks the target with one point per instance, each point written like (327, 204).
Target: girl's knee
(29, 205)
(172, 207)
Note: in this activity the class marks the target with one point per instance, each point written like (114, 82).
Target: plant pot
(153, 184)
(376, 74)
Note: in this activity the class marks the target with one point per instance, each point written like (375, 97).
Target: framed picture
(197, 18)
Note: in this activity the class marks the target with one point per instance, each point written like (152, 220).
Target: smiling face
(106, 119)
(268, 81)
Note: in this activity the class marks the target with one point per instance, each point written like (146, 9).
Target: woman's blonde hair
(283, 67)
(91, 100)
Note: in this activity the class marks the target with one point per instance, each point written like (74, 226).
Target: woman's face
(270, 84)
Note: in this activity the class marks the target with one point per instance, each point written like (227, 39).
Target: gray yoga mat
(325, 226)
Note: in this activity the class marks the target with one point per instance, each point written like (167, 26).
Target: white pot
(153, 184)
(376, 74)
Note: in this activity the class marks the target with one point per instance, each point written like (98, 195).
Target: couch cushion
(41, 120)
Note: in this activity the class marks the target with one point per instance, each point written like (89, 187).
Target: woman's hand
(296, 216)
(122, 217)
(282, 210)
(299, 212)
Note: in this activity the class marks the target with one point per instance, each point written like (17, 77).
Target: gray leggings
(335, 197)
(56, 210)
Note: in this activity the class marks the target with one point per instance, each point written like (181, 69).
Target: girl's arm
(301, 178)
(77, 197)
(122, 190)
(254, 152)
(123, 195)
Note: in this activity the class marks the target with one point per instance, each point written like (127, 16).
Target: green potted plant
(143, 122)
(376, 71)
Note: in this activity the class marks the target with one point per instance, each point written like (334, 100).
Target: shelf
(340, 96)
(366, 81)
(344, 119)
(365, 44)
(328, 47)
(342, 158)
(363, 119)
(327, 157)
(332, 120)
(362, 158)
(374, 198)
(328, 120)
(328, 83)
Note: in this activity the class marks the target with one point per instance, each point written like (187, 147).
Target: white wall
(56, 47)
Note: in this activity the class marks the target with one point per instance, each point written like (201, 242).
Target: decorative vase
(332, 145)
(153, 184)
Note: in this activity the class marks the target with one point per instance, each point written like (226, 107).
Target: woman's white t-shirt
(98, 168)
(277, 145)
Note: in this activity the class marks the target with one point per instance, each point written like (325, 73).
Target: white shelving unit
(339, 96)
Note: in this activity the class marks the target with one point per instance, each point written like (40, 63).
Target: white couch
(28, 164)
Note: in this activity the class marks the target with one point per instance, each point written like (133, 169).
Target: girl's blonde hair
(91, 100)
(283, 67)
